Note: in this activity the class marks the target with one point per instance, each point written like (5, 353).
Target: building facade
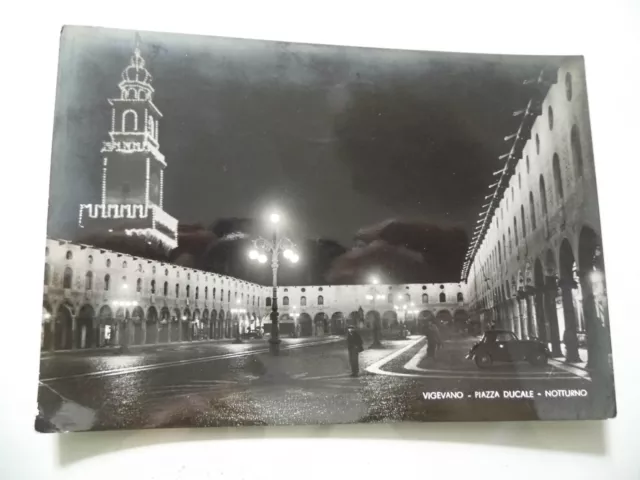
(538, 268)
(99, 298)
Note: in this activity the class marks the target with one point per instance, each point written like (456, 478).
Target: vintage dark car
(505, 346)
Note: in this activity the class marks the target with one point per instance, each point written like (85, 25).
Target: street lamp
(274, 247)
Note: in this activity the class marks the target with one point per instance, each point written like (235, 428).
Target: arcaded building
(536, 265)
(98, 298)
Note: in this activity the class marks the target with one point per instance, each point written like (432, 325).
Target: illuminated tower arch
(131, 197)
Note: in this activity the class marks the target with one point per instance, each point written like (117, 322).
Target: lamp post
(372, 296)
(261, 251)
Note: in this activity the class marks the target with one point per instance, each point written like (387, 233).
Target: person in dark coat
(433, 340)
(354, 346)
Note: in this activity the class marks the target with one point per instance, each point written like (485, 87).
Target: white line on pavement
(571, 369)
(157, 366)
(375, 367)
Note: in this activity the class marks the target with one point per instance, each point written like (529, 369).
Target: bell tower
(131, 196)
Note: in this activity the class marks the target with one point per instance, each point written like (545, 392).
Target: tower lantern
(131, 196)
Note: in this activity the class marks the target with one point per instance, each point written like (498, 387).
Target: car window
(506, 337)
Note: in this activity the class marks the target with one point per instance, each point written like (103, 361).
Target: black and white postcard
(246, 232)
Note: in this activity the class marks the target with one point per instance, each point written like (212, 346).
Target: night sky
(339, 139)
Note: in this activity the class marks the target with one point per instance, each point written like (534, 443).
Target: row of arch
(564, 305)
(63, 330)
(335, 324)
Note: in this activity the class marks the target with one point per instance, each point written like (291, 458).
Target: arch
(196, 327)
(321, 323)
(576, 151)
(460, 320)
(213, 324)
(372, 318)
(186, 324)
(85, 323)
(152, 327)
(337, 323)
(164, 325)
(442, 297)
(390, 319)
(46, 339)
(304, 325)
(424, 318)
(137, 317)
(174, 325)
(352, 318)
(593, 288)
(63, 327)
(557, 177)
(67, 278)
(444, 318)
(129, 116)
(206, 326)
(568, 314)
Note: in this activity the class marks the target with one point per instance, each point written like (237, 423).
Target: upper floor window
(197, 292)
(67, 278)
(515, 230)
(107, 282)
(47, 273)
(532, 211)
(303, 301)
(188, 290)
(568, 85)
(443, 297)
(557, 177)
(543, 196)
(390, 298)
(69, 255)
(139, 285)
(153, 286)
(206, 292)
(320, 300)
(177, 290)
(524, 224)
(460, 297)
(165, 289)
(285, 300)
(88, 281)
(268, 301)
(537, 144)
(576, 150)
(407, 297)
(425, 298)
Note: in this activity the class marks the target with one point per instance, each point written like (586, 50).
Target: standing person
(354, 346)
(433, 340)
